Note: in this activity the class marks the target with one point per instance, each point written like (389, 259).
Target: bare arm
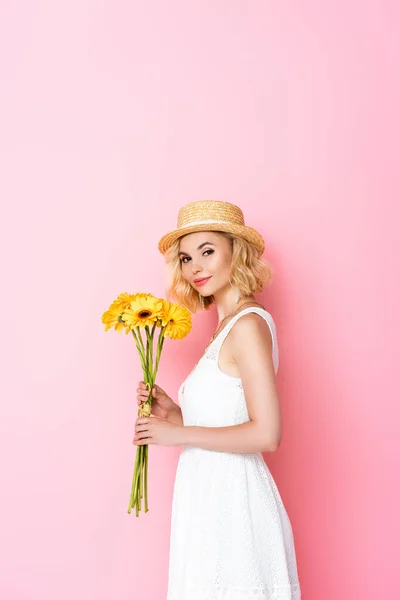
(175, 415)
(252, 351)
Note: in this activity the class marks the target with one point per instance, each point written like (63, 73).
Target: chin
(206, 292)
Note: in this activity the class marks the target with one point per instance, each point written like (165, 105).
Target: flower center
(144, 313)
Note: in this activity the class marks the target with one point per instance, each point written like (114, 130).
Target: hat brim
(248, 233)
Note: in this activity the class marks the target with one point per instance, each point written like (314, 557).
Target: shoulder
(253, 328)
(252, 343)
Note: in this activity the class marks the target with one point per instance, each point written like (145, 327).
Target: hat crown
(211, 215)
(210, 211)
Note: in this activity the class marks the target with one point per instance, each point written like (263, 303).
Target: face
(206, 258)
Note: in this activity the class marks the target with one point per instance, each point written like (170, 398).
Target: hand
(153, 430)
(161, 404)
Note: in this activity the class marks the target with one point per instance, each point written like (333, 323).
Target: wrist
(186, 435)
(175, 414)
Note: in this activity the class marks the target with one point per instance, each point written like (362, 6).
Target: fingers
(143, 442)
(142, 393)
(156, 388)
(142, 424)
(142, 432)
(143, 390)
(140, 427)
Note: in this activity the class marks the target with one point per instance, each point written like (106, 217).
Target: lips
(201, 281)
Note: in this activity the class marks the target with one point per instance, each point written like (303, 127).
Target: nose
(195, 267)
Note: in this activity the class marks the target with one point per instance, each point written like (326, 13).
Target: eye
(185, 259)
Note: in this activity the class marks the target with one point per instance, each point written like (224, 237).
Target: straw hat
(211, 215)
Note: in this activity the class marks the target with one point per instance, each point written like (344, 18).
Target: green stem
(139, 335)
(139, 348)
(144, 359)
(146, 468)
(159, 350)
(153, 329)
(137, 480)
(135, 470)
(141, 476)
(149, 347)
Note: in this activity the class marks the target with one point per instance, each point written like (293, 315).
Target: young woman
(231, 538)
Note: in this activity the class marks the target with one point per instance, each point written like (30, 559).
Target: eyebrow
(199, 248)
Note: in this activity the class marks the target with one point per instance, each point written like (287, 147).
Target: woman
(231, 538)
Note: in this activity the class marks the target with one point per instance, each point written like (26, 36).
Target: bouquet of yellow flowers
(133, 313)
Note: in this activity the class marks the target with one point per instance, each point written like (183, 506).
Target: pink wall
(115, 114)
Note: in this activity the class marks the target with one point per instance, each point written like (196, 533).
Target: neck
(226, 304)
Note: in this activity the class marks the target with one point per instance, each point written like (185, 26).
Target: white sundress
(231, 538)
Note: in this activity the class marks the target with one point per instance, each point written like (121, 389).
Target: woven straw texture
(211, 215)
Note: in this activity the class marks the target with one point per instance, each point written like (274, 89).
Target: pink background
(113, 115)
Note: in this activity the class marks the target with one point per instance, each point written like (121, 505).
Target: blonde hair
(249, 274)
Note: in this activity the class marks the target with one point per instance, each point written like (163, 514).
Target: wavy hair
(249, 274)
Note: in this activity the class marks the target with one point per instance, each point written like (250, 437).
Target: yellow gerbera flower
(125, 299)
(144, 310)
(176, 319)
(112, 318)
(166, 307)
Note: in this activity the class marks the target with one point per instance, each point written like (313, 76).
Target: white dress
(231, 538)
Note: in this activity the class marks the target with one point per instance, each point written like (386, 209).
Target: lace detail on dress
(223, 593)
(212, 352)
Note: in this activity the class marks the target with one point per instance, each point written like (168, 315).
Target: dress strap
(219, 340)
